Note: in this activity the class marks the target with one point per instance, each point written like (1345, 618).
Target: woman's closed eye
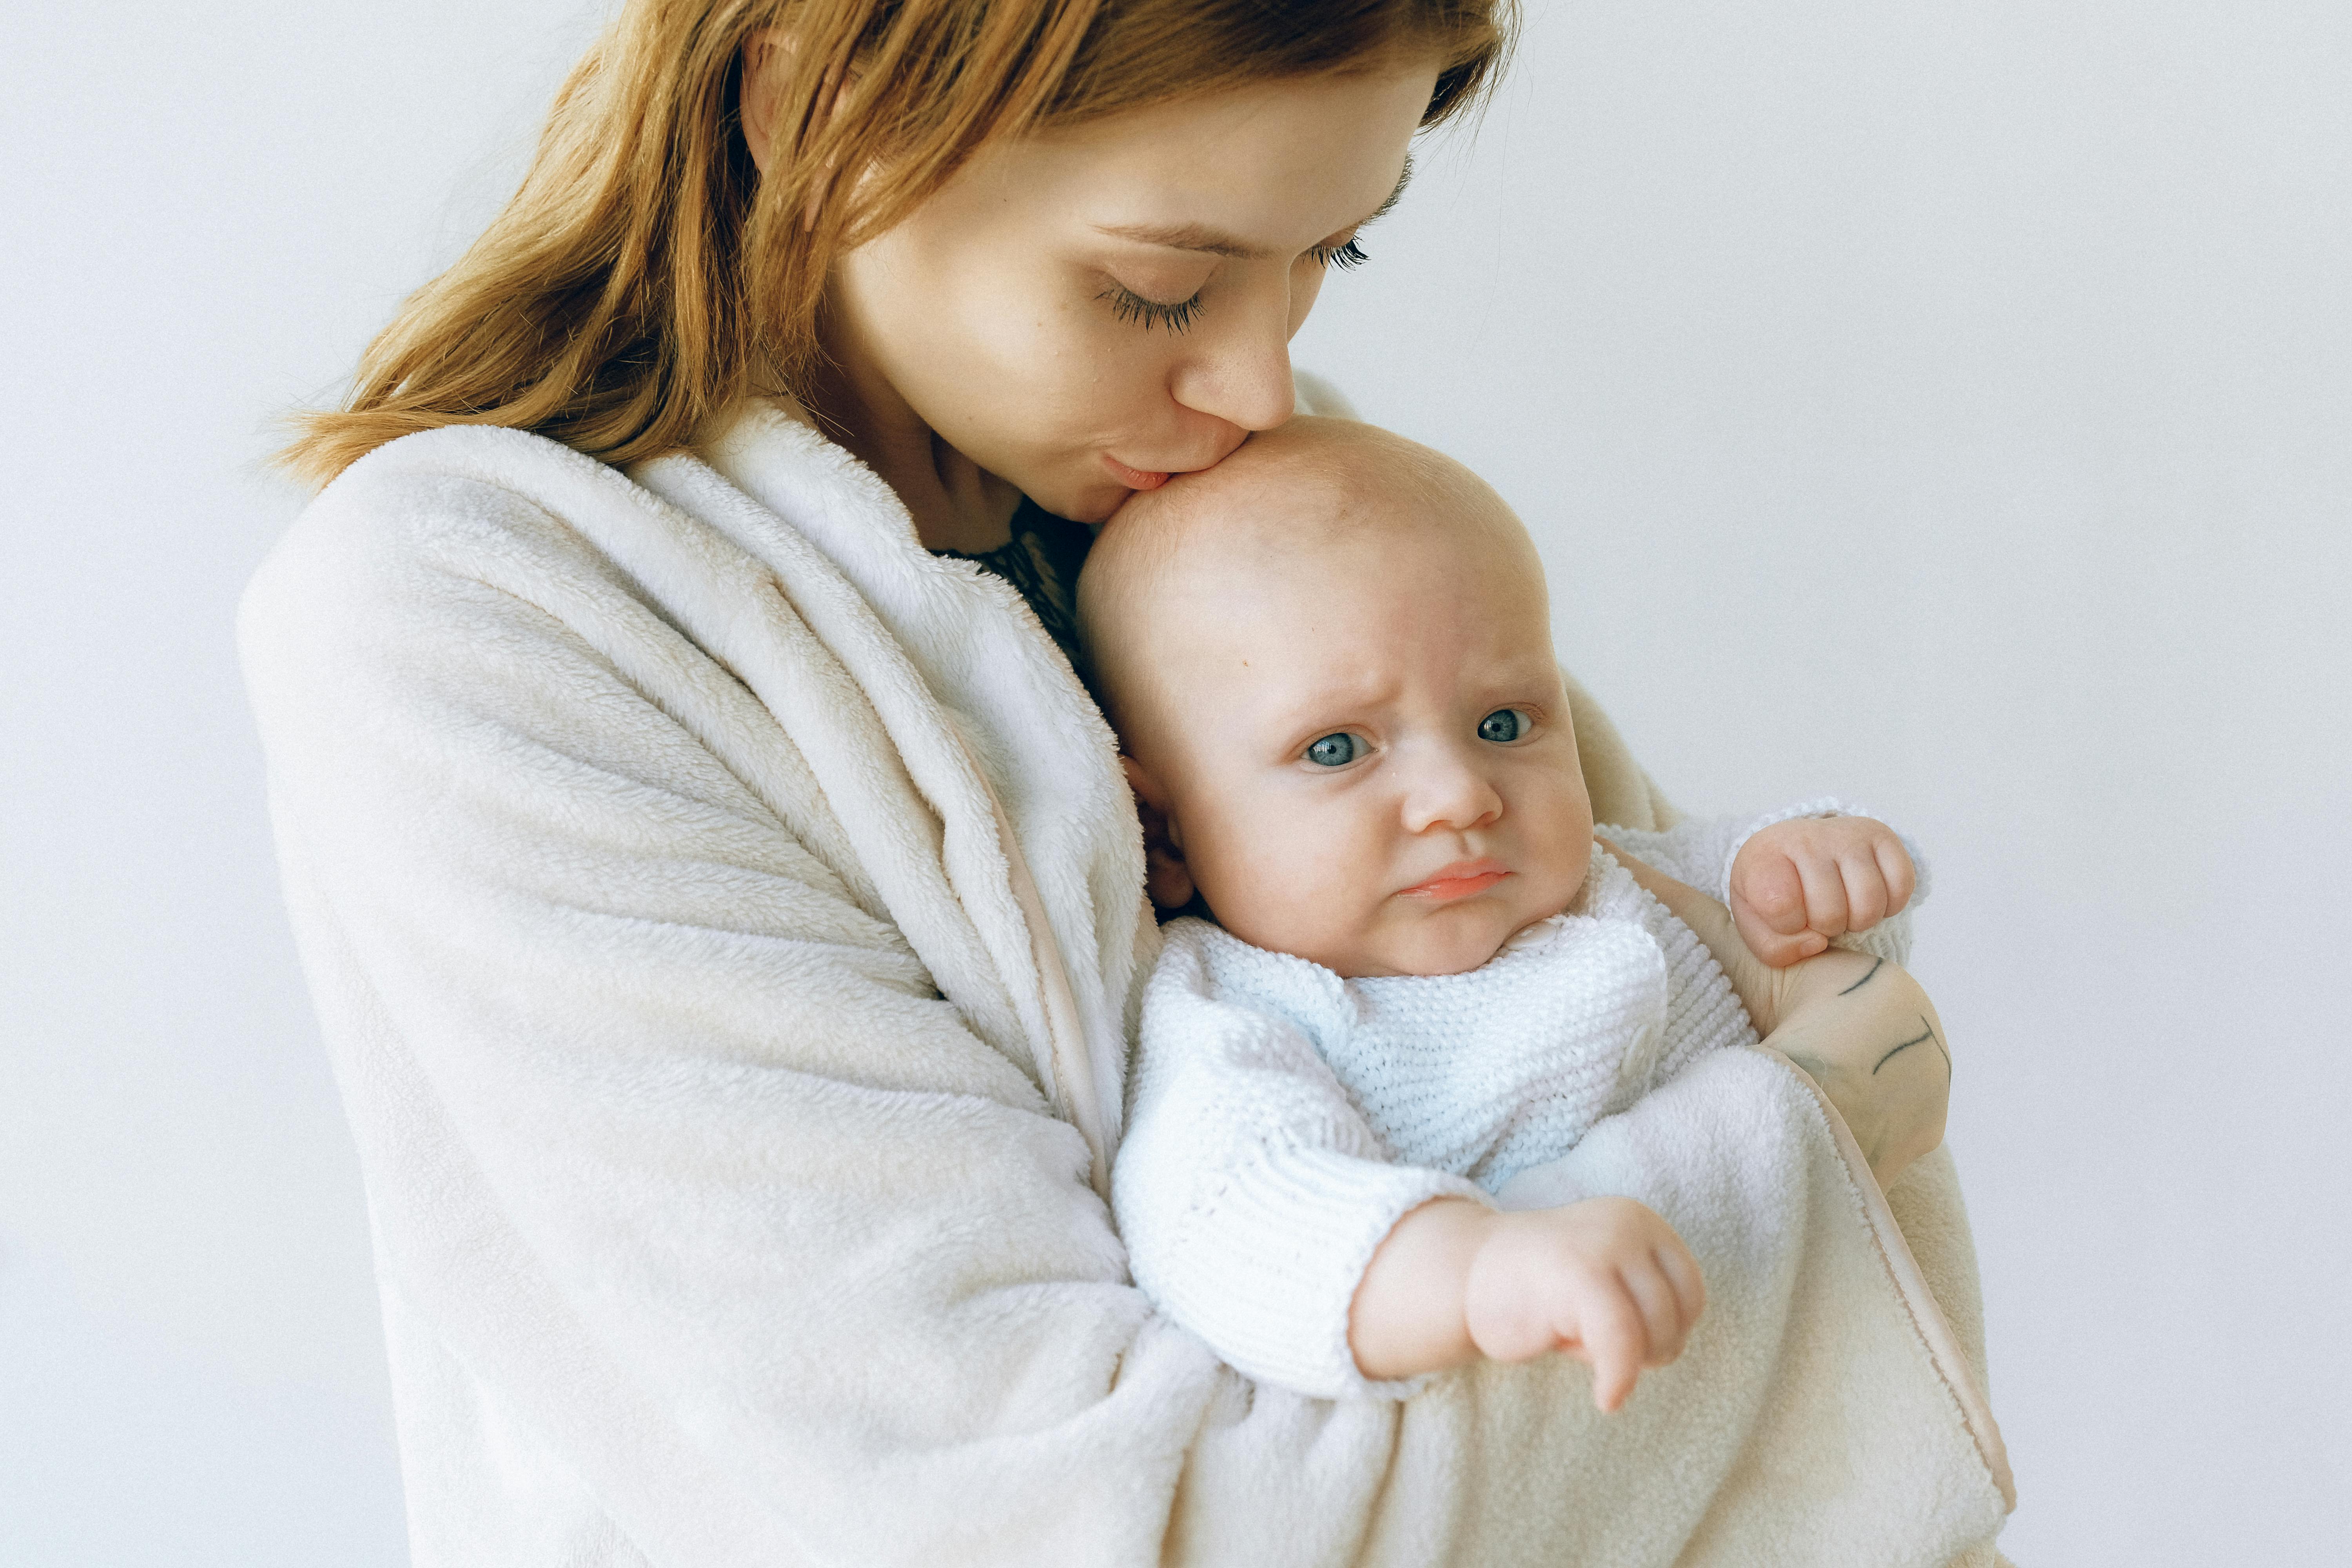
(1505, 725)
(1345, 254)
(1145, 311)
(1336, 750)
(1130, 306)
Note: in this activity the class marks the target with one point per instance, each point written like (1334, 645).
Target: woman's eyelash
(1342, 256)
(1131, 306)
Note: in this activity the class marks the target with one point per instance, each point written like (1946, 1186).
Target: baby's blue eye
(1504, 724)
(1334, 751)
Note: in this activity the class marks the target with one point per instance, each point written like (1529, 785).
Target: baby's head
(1329, 662)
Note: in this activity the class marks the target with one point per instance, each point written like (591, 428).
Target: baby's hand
(1796, 884)
(1605, 1280)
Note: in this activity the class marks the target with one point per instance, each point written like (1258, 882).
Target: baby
(1329, 663)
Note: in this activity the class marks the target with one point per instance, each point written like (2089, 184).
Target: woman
(720, 894)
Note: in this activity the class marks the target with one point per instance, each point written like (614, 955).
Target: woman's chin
(1097, 504)
(1091, 499)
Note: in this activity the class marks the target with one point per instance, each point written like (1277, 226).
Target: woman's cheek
(1306, 288)
(1083, 371)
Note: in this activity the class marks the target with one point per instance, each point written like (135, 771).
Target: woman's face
(1084, 311)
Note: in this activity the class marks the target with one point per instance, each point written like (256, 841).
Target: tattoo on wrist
(1876, 966)
(1925, 1038)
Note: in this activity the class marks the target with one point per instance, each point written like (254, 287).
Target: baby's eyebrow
(1340, 703)
(1209, 241)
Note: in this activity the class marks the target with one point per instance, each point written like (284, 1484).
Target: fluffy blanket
(725, 919)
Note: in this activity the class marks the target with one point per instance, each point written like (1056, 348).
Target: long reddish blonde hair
(645, 267)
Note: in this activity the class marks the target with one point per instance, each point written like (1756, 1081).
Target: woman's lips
(1133, 478)
(1462, 879)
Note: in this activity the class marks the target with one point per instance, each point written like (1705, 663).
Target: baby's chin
(1453, 939)
(1431, 946)
(1402, 934)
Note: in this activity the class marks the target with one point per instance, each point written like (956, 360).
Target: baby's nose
(1450, 793)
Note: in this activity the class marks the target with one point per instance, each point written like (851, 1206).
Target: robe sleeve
(710, 1233)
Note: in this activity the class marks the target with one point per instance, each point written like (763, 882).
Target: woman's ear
(766, 56)
(1165, 876)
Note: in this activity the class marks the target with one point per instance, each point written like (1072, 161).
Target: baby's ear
(1165, 875)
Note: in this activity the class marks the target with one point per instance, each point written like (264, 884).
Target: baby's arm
(1857, 1024)
(1262, 1212)
(1604, 1280)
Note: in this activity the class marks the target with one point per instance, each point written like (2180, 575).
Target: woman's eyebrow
(1186, 236)
(1211, 241)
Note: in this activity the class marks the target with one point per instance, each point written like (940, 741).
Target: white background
(1947, 405)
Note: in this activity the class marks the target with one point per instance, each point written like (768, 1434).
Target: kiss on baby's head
(1329, 662)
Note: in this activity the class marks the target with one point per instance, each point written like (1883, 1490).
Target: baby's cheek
(1568, 887)
(1292, 895)
(1568, 863)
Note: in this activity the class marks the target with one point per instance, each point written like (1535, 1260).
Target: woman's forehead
(1254, 172)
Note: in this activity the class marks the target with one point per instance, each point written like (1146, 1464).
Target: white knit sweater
(1284, 1118)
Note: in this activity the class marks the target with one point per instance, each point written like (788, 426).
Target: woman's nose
(1242, 374)
(1449, 793)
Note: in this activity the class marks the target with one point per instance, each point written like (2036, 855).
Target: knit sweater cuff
(1294, 1234)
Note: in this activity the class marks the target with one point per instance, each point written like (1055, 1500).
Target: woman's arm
(1858, 1025)
(704, 1220)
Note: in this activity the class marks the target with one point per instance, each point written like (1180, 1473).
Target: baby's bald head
(1294, 511)
(1329, 662)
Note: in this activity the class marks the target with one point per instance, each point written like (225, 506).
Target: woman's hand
(1861, 1028)
(1869, 1036)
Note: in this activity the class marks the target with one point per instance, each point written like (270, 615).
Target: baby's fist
(1605, 1280)
(1796, 884)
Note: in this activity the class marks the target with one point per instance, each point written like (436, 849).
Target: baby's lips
(1459, 880)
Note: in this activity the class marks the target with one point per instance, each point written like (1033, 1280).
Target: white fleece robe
(725, 919)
